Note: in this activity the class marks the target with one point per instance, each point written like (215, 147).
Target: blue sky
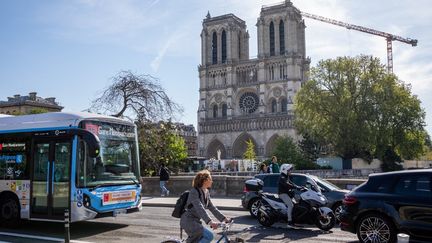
(71, 49)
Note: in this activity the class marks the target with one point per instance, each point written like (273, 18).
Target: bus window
(117, 161)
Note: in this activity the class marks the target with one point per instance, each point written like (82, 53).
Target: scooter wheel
(326, 223)
(264, 220)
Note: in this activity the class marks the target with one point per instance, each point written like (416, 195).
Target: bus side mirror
(92, 141)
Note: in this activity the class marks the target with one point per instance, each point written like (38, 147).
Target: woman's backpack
(180, 206)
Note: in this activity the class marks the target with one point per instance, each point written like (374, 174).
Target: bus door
(51, 178)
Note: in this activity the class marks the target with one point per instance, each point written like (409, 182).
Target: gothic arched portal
(271, 144)
(240, 146)
(213, 147)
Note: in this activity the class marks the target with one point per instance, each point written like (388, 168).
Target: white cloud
(162, 52)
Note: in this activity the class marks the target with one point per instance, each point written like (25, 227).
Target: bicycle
(225, 228)
(223, 239)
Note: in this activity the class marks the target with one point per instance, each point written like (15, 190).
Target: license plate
(119, 211)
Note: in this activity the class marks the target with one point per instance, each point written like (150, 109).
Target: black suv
(388, 204)
(333, 193)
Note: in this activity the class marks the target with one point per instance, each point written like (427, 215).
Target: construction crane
(389, 37)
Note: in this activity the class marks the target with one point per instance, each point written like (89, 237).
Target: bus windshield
(117, 162)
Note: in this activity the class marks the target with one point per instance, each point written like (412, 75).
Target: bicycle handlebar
(225, 226)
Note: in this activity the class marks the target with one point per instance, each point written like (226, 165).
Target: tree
(311, 149)
(250, 151)
(358, 108)
(38, 111)
(138, 95)
(31, 112)
(158, 143)
(287, 151)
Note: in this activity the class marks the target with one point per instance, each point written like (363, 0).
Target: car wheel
(337, 209)
(254, 207)
(9, 211)
(375, 228)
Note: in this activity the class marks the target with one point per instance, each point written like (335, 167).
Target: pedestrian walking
(164, 176)
(197, 203)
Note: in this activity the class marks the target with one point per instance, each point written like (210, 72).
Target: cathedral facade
(244, 99)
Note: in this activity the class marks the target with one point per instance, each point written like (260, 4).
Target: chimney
(32, 96)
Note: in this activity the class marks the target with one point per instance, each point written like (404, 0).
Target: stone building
(27, 104)
(188, 133)
(245, 99)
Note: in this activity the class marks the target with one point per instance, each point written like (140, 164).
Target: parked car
(388, 204)
(250, 199)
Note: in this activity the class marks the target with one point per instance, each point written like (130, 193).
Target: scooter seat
(274, 197)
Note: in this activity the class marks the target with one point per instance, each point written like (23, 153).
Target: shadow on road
(77, 230)
(277, 233)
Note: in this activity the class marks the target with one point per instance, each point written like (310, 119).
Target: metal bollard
(403, 238)
(66, 225)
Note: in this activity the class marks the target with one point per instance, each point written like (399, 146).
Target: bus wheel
(9, 211)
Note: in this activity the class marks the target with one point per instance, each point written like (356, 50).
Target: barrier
(223, 185)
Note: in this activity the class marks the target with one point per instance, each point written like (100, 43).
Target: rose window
(249, 102)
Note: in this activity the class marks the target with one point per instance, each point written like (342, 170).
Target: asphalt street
(155, 224)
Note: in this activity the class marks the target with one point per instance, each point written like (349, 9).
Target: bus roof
(52, 120)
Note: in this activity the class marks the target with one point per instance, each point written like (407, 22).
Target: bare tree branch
(138, 95)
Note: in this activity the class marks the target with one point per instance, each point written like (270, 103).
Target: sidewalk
(220, 203)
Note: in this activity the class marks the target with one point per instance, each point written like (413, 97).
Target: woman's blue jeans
(207, 236)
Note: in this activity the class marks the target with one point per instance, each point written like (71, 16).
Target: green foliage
(359, 109)
(391, 160)
(38, 111)
(32, 111)
(159, 143)
(287, 151)
(309, 148)
(250, 151)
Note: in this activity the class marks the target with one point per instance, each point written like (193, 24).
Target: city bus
(82, 162)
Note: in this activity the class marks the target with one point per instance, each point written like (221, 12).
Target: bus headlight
(86, 201)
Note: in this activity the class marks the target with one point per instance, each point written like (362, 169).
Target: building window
(239, 46)
(271, 73)
(214, 48)
(284, 105)
(272, 39)
(224, 47)
(215, 111)
(282, 37)
(224, 110)
(273, 106)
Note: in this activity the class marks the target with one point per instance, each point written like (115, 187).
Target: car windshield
(117, 162)
(330, 186)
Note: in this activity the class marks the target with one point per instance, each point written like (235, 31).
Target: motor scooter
(309, 208)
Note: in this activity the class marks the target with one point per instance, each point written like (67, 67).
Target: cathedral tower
(244, 99)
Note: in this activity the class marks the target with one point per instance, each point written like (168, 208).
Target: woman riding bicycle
(199, 199)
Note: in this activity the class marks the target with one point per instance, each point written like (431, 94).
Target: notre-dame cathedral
(244, 99)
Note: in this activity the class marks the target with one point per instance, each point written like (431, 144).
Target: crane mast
(389, 37)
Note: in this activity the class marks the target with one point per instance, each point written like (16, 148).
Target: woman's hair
(274, 158)
(262, 166)
(200, 178)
